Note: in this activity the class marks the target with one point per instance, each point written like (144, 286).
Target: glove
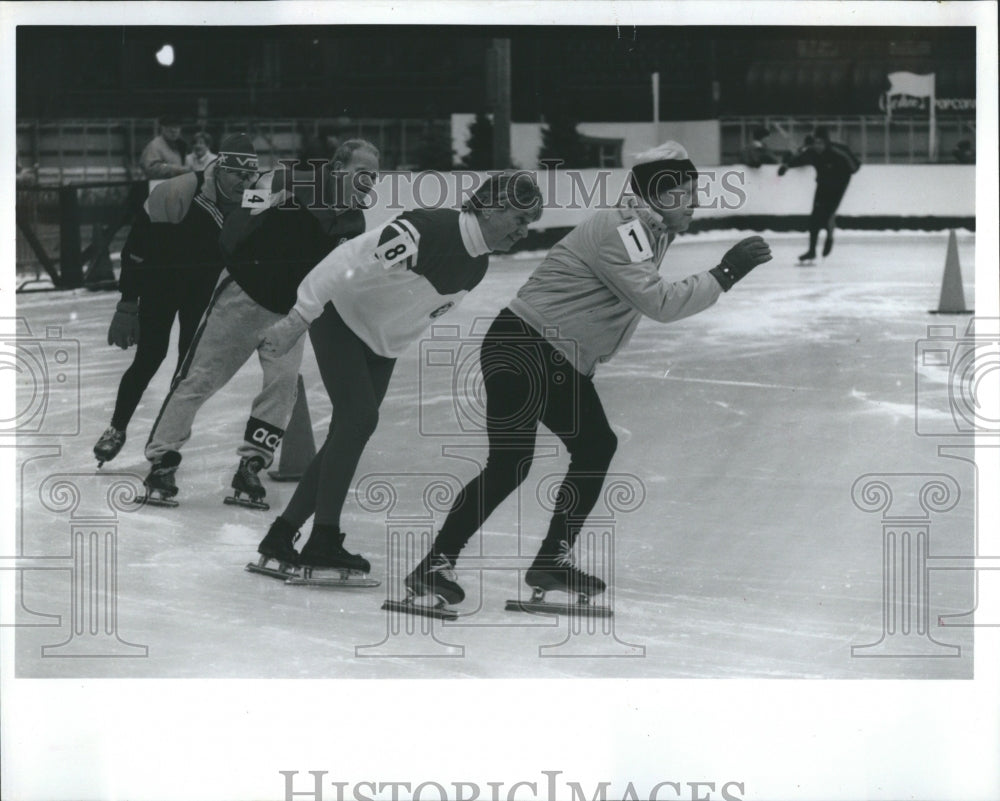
(740, 259)
(282, 336)
(782, 169)
(124, 328)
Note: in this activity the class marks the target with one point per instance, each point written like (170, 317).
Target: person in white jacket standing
(587, 296)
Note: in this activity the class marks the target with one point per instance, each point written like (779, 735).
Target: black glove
(124, 328)
(782, 169)
(740, 259)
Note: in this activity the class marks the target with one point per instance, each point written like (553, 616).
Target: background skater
(835, 164)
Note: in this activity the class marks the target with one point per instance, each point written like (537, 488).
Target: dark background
(592, 73)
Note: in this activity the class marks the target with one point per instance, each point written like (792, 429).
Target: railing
(75, 151)
(875, 139)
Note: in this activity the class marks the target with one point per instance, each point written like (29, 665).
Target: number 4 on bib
(636, 242)
(256, 198)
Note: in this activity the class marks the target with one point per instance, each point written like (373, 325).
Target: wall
(701, 138)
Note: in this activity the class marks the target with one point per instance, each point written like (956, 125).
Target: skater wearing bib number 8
(364, 305)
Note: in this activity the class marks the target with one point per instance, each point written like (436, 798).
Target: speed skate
(331, 577)
(247, 503)
(437, 609)
(155, 498)
(283, 570)
(538, 605)
(246, 482)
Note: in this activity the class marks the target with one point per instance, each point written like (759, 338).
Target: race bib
(256, 198)
(636, 243)
(396, 245)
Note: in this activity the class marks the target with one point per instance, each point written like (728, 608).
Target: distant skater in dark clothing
(835, 164)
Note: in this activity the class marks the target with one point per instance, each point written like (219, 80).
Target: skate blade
(332, 578)
(282, 572)
(152, 500)
(808, 263)
(546, 607)
(408, 607)
(246, 503)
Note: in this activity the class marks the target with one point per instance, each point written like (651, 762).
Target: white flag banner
(913, 85)
(909, 83)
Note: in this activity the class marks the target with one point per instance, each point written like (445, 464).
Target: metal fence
(75, 151)
(875, 139)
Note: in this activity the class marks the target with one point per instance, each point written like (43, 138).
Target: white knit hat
(663, 167)
(668, 151)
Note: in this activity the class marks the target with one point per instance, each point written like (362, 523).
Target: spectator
(163, 157)
(201, 154)
(758, 152)
(963, 152)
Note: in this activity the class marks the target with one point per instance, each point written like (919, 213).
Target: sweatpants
(528, 382)
(230, 332)
(158, 306)
(356, 379)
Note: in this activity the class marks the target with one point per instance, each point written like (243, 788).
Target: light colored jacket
(160, 160)
(594, 285)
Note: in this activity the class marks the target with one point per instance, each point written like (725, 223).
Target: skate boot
(245, 480)
(809, 257)
(828, 244)
(277, 546)
(160, 484)
(558, 571)
(109, 445)
(435, 577)
(325, 552)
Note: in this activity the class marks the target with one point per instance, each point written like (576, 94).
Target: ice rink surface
(739, 549)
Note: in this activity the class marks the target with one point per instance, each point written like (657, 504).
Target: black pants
(826, 201)
(529, 382)
(159, 304)
(356, 378)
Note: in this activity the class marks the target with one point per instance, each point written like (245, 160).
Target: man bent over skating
(364, 305)
(269, 254)
(587, 296)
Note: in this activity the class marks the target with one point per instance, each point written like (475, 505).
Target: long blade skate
(154, 498)
(332, 577)
(538, 605)
(236, 499)
(283, 571)
(438, 610)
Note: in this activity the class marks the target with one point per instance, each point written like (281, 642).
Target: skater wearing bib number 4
(267, 254)
(587, 296)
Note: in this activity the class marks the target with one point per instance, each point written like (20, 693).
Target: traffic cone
(952, 295)
(297, 446)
